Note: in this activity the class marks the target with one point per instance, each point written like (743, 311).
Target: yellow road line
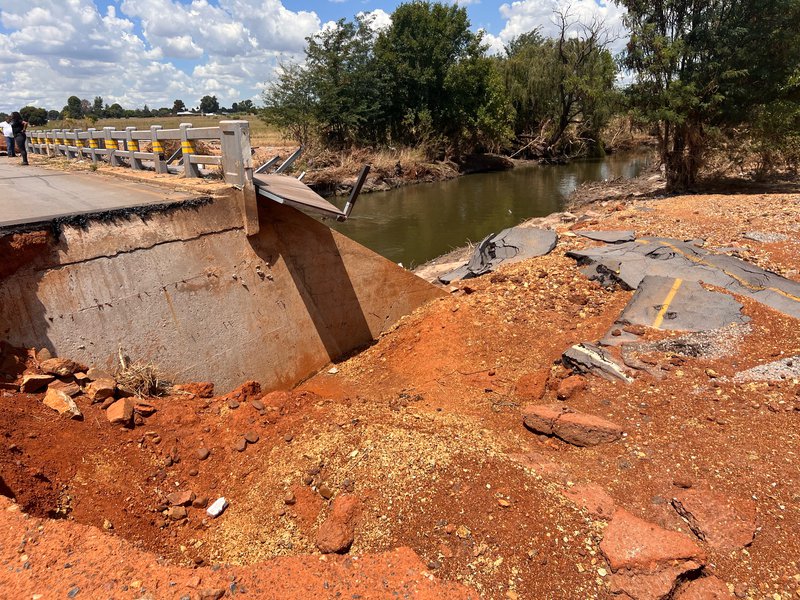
(742, 282)
(667, 301)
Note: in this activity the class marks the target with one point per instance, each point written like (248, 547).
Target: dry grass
(142, 379)
(260, 132)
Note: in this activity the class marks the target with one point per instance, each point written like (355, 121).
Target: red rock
(571, 386)
(532, 385)
(61, 366)
(176, 513)
(723, 522)
(70, 388)
(645, 559)
(144, 408)
(593, 498)
(579, 429)
(337, 532)
(121, 412)
(212, 593)
(707, 588)
(246, 391)
(93, 374)
(201, 389)
(33, 382)
(100, 389)
(61, 402)
(183, 498)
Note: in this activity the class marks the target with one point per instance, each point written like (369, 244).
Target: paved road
(34, 195)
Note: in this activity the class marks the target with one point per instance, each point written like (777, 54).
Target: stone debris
(182, 498)
(202, 389)
(570, 386)
(647, 561)
(120, 412)
(61, 402)
(337, 532)
(33, 382)
(723, 522)
(70, 388)
(576, 428)
(589, 358)
(765, 237)
(217, 507)
(785, 368)
(100, 389)
(532, 386)
(61, 367)
(705, 588)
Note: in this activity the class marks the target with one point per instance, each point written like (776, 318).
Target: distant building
(186, 113)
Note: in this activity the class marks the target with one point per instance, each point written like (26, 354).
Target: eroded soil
(425, 428)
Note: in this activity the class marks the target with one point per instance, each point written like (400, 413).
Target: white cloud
(525, 15)
(77, 50)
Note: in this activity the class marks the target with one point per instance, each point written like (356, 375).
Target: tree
(561, 83)
(73, 109)
(97, 107)
(289, 103)
(702, 65)
(209, 104)
(115, 111)
(421, 57)
(33, 115)
(178, 106)
(53, 115)
(244, 106)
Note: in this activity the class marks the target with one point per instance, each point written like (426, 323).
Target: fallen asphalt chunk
(676, 305)
(627, 264)
(508, 246)
(609, 237)
(589, 358)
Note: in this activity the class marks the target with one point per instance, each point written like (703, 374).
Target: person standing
(9, 135)
(18, 127)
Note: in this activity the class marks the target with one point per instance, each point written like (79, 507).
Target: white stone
(217, 508)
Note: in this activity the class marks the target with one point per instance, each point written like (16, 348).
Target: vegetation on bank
(709, 77)
(427, 81)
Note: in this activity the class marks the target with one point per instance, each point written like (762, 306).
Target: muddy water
(414, 224)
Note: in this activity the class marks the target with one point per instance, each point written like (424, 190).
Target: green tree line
(428, 81)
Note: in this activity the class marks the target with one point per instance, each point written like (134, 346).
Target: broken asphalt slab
(609, 237)
(675, 305)
(629, 263)
(508, 246)
(589, 358)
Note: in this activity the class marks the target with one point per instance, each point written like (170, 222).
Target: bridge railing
(129, 148)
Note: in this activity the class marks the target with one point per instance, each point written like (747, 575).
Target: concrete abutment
(186, 289)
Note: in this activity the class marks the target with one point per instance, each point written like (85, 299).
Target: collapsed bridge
(223, 284)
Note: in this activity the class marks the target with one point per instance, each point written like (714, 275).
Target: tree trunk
(682, 160)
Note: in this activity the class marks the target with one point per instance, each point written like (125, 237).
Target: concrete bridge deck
(34, 195)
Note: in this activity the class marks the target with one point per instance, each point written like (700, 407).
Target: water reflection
(414, 224)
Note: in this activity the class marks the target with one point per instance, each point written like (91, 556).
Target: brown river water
(414, 224)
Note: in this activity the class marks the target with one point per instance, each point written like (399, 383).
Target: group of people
(14, 131)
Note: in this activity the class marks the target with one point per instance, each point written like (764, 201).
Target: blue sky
(152, 52)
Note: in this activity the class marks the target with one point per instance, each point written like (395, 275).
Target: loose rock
(723, 522)
(337, 532)
(121, 412)
(61, 402)
(62, 367)
(579, 429)
(33, 383)
(183, 498)
(251, 437)
(707, 588)
(100, 389)
(571, 386)
(645, 559)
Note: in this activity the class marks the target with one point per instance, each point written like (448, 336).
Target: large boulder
(647, 561)
(577, 428)
(725, 523)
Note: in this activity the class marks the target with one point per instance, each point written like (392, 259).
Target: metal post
(351, 201)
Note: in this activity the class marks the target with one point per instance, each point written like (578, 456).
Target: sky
(152, 52)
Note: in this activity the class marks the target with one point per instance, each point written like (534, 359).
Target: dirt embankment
(680, 484)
